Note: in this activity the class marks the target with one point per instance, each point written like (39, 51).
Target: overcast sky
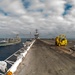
(50, 17)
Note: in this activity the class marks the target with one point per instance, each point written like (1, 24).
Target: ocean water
(71, 38)
(6, 51)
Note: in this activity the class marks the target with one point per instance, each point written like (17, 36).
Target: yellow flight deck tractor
(61, 40)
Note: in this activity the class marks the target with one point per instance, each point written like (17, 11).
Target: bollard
(9, 73)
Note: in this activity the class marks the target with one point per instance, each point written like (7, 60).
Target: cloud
(24, 16)
(14, 7)
(55, 7)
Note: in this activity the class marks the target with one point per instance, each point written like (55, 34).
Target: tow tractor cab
(61, 40)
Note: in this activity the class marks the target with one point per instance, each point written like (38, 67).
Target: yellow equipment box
(61, 40)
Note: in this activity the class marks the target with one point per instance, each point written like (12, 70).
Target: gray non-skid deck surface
(42, 60)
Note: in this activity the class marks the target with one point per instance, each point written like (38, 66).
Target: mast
(30, 35)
